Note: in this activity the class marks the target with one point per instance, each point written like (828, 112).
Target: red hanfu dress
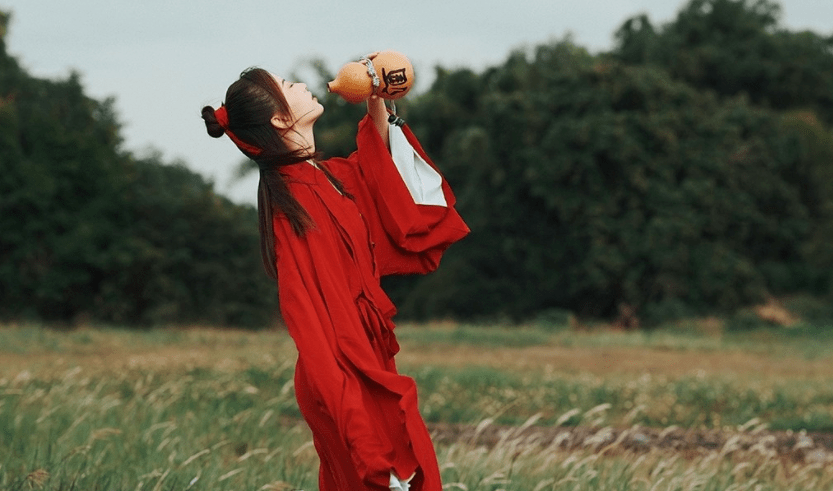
(362, 413)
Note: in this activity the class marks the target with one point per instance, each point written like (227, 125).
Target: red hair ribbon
(222, 119)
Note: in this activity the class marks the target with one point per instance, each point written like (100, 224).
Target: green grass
(208, 410)
(487, 336)
(809, 341)
(464, 395)
(160, 431)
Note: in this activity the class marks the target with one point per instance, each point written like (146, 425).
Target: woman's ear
(281, 122)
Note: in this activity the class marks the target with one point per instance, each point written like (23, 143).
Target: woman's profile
(329, 230)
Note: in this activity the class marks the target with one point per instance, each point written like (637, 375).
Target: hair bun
(211, 125)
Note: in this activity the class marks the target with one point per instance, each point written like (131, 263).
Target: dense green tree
(737, 47)
(184, 254)
(88, 232)
(594, 186)
(812, 148)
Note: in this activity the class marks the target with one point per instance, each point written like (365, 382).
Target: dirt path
(803, 448)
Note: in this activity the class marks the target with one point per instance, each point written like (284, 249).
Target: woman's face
(304, 106)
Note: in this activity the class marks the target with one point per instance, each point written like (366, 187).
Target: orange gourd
(352, 83)
(394, 70)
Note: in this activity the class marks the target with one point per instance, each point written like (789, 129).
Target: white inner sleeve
(397, 484)
(424, 183)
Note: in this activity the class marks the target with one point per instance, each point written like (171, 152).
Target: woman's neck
(300, 139)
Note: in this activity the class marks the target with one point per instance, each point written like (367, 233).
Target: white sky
(163, 60)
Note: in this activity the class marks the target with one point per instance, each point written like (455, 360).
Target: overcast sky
(163, 60)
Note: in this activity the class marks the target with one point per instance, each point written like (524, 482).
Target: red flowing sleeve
(406, 237)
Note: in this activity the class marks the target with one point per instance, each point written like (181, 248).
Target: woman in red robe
(329, 230)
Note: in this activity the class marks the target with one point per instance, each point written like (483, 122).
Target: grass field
(525, 408)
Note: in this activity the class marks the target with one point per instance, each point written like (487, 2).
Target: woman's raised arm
(378, 112)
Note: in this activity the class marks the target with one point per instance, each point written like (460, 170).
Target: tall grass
(211, 410)
(523, 461)
(139, 429)
(698, 401)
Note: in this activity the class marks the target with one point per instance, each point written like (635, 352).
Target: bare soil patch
(800, 448)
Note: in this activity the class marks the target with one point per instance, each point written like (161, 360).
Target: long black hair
(251, 103)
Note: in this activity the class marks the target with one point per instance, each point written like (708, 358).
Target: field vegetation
(527, 408)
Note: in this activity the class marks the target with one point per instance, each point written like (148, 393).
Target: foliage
(737, 47)
(600, 187)
(184, 255)
(90, 233)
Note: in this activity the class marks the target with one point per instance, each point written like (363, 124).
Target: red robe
(363, 414)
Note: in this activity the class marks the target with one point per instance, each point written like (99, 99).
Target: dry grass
(212, 409)
(612, 360)
(177, 350)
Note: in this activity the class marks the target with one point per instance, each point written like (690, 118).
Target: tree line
(91, 233)
(689, 170)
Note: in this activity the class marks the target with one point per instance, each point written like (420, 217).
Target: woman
(329, 230)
